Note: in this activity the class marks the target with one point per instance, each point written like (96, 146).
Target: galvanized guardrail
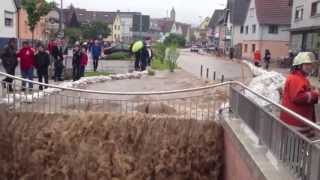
(300, 154)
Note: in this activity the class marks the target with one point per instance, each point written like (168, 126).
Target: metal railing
(300, 154)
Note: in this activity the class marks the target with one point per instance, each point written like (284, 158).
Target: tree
(95, 30)
(72, 34)
(175, 39)
(35, 10)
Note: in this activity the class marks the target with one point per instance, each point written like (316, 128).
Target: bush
(159, 65)
(175, 39)
(151, 72)
(172, 55)
(160, 51)
(118, 56)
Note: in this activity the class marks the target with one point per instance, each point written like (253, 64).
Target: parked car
(194, 49)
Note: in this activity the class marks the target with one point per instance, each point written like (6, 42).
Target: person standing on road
(84, 61)
(42, 63)
(150, 53)
(9, 62)
(298, 95)
(257, 58)
(27, 60)
(267, 58)
(144, 57)
(76, 63)
(57, 55)
(96, 53)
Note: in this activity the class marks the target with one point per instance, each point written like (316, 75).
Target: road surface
(191, 62)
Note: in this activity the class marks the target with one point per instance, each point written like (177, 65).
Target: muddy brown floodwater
(97, 146)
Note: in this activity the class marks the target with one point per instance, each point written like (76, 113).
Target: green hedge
(118, 56)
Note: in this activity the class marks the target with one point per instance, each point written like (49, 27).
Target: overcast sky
(188, 11)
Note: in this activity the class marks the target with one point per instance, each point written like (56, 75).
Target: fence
(300, 154)
(205, 73)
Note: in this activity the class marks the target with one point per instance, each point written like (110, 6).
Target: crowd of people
(41, 58)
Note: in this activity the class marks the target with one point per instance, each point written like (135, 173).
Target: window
(273, 29)
(247, 29)
(246, 48)
(241, 29)
(8, 18)
(253, 48)
(251, 12)
(299, 13)
(254, 29)
(315, 8)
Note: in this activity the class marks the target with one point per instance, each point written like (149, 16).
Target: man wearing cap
(298, 95)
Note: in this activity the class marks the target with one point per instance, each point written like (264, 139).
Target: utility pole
(61, 19)
(140, 28)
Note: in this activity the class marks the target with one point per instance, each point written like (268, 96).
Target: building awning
(310, 28)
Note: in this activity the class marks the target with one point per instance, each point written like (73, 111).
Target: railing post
(214, 76)
(201, 70)
(207, 73)
(314, 163)
(222, 78)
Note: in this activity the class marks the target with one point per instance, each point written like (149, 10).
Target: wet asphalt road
(191, 62)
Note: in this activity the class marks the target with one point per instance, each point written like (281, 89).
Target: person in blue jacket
(96, 53)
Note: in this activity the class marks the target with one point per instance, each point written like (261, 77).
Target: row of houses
(125, 26)
(129, 26)
(14, 23)
(162, 27)
(245, 26)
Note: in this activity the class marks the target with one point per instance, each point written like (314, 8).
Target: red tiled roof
(273, 12)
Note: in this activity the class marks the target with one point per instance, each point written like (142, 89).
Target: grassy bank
(158, 65)
(91, 74)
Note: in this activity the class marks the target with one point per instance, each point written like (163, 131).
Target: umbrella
(137, 46)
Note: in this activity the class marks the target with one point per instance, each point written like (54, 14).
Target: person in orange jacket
(257, 58)
(298, 95)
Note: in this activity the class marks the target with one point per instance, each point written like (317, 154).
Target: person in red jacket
(27, 61)
(257, 58)
(83, 60)
(298, 95)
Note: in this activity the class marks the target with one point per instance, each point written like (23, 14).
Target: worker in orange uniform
(257, 58)
(298, 95)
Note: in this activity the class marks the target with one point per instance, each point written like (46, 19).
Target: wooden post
(222, 78)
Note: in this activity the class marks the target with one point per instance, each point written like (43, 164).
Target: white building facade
(8, 21)
(261, 32)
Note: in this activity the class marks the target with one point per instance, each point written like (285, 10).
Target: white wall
(307, 19)
(8, 32)
(237, 36)
(251, 20)
(283, 34)
(262, 31)
(126, 25)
